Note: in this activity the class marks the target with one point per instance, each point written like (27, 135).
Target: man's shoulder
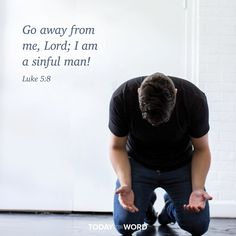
(187, 88)
(129, 87)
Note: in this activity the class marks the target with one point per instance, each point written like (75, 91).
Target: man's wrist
(128, 186)
(198, 189)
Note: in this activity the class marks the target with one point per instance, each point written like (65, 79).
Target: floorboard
(90, 225)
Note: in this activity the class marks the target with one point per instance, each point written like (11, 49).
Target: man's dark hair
(157, 98)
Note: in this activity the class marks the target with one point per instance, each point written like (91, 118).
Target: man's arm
(119, 159)
(120, 162)
(200, 162)
(200, 165)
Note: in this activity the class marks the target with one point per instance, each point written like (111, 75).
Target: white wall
(217, 77)
(45, 146)
(54, 136)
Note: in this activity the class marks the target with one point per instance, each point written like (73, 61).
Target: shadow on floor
(162, 230)
(80, 224)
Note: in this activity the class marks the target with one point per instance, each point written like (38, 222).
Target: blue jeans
(176, 183)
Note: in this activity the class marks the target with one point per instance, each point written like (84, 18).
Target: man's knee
(122, 230)
(195, 226)
(126, 225)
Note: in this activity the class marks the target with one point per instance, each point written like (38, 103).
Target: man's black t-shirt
(168, 146)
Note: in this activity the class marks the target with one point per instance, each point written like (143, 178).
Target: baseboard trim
(48, 212)
(218, 209)
(223, 209)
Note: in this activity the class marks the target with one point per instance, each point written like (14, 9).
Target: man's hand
(197, 201)
(126, 198)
